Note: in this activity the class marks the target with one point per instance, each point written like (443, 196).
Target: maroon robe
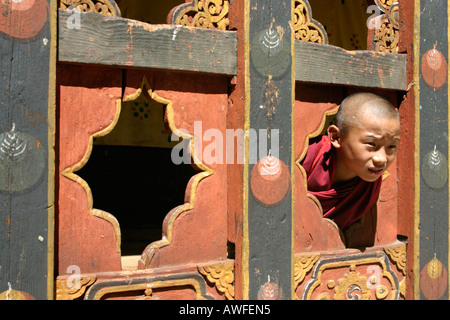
(345, 203)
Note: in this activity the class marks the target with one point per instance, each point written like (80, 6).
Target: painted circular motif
(270, 181)
(12, 294)
(434, 69)
(22, 161)
(23, 19)
(270, 52)
(433, 280)
(269, 291)
(434, 169)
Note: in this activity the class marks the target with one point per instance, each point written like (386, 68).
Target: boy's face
(367, 150)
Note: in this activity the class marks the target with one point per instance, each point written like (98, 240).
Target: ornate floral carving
(398, 256)
(67, 289)
(302, 265)
(387, 34)
(222, 276)
(351, 286)
(353, 277)
(305, 27)
(212, 14)
(105, 7)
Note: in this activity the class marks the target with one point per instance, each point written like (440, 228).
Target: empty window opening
(132, 176)
(345, 21)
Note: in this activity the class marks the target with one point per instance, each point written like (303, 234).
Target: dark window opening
(131, 173)
(137, 185)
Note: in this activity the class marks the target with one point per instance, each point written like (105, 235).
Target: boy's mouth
(376, 171)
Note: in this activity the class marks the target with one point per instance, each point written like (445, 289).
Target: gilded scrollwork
(302, 265)
(387, 25)
(222, 276)
(305, 27)
(354, 277)
(351, 286)
(397, 255)
(212, 14)
(105, 7)
(71, 289)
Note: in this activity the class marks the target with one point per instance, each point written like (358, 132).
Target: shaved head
(362, 104)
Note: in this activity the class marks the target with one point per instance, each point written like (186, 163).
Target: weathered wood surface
(268, 200)
(92, 38)
(88, 106)
(432, 150)
(333, 65)
(96, 39)
(27, 60)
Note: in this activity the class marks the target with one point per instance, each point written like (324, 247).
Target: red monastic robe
(345, 203)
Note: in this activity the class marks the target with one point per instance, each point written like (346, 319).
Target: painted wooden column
(27, 59)
(432, 198)
(267, 248)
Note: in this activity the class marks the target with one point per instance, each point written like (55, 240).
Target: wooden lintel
(96, 39)
(328, 64)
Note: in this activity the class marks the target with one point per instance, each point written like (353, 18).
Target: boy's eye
(372, 144)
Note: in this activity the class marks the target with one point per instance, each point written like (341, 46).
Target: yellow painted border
(171, 217)
(379, 260)
(416, 270)
(292, 25)
(245, 234)
(51, 152)
(158, 284)
(69, 173)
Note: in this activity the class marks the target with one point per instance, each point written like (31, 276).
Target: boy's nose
(379, 158)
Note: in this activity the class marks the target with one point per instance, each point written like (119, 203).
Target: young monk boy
(345, 166)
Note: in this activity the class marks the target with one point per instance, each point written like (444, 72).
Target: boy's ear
(335, 135)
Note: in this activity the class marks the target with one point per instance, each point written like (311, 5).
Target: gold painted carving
(212, 14)
(368, 277)
(387, 25)
(148, 287)
(222, 276)
(302, 265)
(352, 286)
(105, 7)
(305, 27)
(398, 256)
(64, 291)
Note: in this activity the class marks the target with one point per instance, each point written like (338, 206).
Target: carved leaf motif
(212, 14)
(63, 292)
(352, 286)
(303, 264)
(105, 7)
(306, 28)
(398, 256)
(387, 33)
(222, 276)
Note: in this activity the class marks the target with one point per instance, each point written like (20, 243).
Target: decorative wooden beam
(97, 39)
(333, 65)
